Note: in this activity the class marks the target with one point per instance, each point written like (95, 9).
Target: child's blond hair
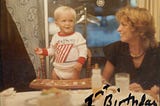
(60, 10)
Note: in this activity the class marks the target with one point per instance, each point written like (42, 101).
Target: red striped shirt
(62, 52)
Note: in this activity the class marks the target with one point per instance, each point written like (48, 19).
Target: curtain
(16, 69)
(29, 18)
(152, 6)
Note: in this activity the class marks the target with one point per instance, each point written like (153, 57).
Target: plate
(62, 84)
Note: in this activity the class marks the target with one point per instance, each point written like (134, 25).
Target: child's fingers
(36, 49)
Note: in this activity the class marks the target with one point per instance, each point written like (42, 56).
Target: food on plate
(54, 97)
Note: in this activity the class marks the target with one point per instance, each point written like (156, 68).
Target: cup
(122, 81)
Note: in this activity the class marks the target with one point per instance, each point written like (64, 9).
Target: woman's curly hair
(142, 21)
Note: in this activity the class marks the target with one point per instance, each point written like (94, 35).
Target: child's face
(66, 23)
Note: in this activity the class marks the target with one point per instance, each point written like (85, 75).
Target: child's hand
(38, 51)
(78, 67)
(76, 71)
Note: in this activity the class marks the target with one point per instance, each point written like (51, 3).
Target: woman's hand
(155, 89)
(136, 87)
(154, 92)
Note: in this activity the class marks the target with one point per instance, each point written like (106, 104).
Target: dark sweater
(147, 74)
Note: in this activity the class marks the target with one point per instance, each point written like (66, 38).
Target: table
(27, 98)
(77, 98)
(19, 98)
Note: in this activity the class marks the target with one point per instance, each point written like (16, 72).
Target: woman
(137, 52)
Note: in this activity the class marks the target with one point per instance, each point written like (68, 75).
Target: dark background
(16, 69)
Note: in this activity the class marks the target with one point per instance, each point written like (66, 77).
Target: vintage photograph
(79, 53)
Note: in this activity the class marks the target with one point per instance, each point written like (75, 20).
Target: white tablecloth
(19, 98)
(27, 98)
(77, 98)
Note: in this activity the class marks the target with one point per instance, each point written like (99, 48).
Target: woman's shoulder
(117, 44)
(158, 49)
(158, 46)
(116, 48)
(154, 51)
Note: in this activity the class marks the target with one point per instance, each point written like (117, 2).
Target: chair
(92, 60)
(41, 73)
(88, 63)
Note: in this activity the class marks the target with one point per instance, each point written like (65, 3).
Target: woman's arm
(108, 71)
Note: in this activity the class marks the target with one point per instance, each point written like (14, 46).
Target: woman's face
(66, 23)
(126, 32)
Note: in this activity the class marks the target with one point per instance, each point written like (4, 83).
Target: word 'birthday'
(108, 101)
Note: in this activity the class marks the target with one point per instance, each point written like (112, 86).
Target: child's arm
(46, 51)
(77, 69)
(82, 48)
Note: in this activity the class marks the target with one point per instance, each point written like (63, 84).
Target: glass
(122, 81)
